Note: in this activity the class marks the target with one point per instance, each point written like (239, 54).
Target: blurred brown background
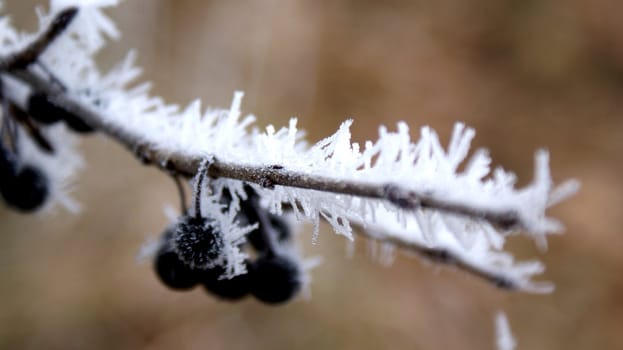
(525, 74)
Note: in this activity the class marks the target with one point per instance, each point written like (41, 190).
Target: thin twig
(441, 256)
(181, 192)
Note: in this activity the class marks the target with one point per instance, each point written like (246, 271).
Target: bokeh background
(525, 74)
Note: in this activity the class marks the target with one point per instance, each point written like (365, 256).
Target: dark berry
(231, 289)
(27, 190)
(171, 270)
(44, 111)
(8, 166)
(275, 279)
(197, 243)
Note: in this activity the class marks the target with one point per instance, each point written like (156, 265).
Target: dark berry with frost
(197, 243)
(172, 271)
(275, 279)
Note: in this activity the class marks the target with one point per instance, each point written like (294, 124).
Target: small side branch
(31, 53)
(444, 257)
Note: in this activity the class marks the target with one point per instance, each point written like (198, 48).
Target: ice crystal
(504, 336)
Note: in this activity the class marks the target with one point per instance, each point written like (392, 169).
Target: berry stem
(22, 117)
(182, 193)
(202, 172)
(197, 194)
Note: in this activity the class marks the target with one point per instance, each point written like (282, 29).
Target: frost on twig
(407, 192)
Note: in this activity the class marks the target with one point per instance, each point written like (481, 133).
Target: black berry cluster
(24, 186)
(190, 251)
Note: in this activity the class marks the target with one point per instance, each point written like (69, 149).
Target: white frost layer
(421, 165)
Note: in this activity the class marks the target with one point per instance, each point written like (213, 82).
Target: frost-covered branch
(410, 194)
(267, 176)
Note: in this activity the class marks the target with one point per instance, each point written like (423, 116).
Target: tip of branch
(32, 52)
(62, 20)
